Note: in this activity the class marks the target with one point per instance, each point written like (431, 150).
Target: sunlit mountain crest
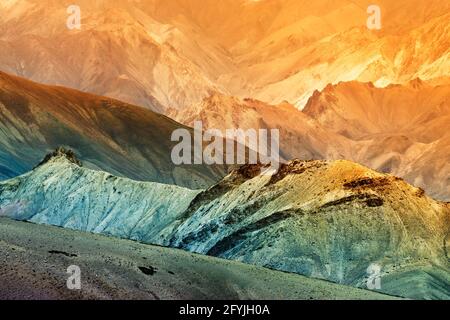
(179, 51)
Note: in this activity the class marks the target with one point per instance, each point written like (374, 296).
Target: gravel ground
(35, 258)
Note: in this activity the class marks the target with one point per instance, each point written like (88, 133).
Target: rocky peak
(61, 152)
(416, 83)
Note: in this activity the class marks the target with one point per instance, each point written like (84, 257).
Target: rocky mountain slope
(328, 220)
(95, 201)
(361, 110)
(400, 129)
(300, 136)
(329, 42)
(122, 139)
(178, 51)
(35, 258)
(122, 51)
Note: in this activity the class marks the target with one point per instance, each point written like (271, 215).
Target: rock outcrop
(328, 220)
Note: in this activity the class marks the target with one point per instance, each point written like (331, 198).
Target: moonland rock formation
(34, 261)
(327, 220)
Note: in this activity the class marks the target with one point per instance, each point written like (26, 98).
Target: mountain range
(161, 54)
(327, 220)
(400, 129)
(124, 270)
(88, 115)
(123, 139)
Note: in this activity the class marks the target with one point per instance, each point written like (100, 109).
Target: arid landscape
(95, 98)
(34, 260)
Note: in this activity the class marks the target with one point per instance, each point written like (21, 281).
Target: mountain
(122, 139)
(121, 51)
(400, 129)
(35, 257)
(95, 201)
(327, 220)
(328, 42)
(160, 54)
(300, 136)
(361, 110)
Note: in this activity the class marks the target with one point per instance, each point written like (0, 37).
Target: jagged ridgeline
(328, 220)
(61, 152)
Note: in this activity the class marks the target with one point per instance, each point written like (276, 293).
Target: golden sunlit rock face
(374, 83)
(178, 51)
(400, 129)
(169, 105)
(246, 58)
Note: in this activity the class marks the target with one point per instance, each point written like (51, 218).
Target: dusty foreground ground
(34, 261)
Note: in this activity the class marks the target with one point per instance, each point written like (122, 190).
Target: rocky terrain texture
(106, 134)
(300, 135)
(327, 220)
(95, 201)
(174, 53)
(35, 259)
(400, 129)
